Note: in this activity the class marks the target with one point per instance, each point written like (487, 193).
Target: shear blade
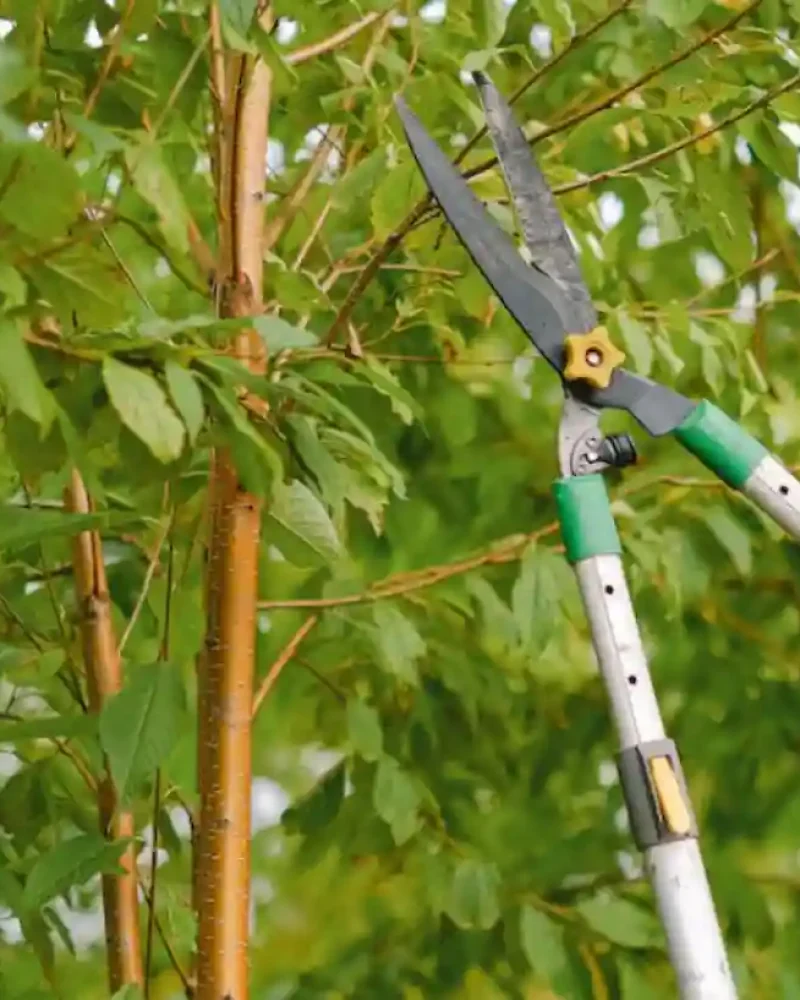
(540, 220)
(532, 298)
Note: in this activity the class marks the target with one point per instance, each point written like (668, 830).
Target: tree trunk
(241, 87)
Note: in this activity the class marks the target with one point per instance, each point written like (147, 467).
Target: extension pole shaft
(659, 808)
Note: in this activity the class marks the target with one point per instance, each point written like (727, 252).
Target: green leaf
(536, 597)
(139, 726)
(16, 74)
(473, 902)
(57, 726)
(301, 527)
(638, 342)
(130, 991)
(279, 335)
(23, 526)
(676, 15)
(542, 941)
(70, 863)
(364, 729)
(403, 403)
(488, 21)
(41, 193)
(186, 396)
(621, 921)
(154, 182)
(21, 385)
(239, 14)
(394, 197)
(283, 74)
(725, 212)
(396, 799)
(258, 464)
(398, 642)
(143, 407)
(771, 146)
(731, 536)
(317, 810)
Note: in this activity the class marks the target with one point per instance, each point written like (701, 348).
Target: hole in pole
(632, 679)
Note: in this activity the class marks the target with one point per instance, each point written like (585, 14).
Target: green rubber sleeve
(720, 444)
(587, 526)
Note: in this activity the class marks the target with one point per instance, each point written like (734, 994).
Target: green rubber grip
(720, 444)
(587, 526)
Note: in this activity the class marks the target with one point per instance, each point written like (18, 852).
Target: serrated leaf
(398, 642)
(402, 402)
(638, 342)
(70, 863)
(143, 407)
(130, 991)
(54, 727)
(542, 941)
(23, 526)
(21, 385)
(621, 921)
(279, 335)
(396, 799)
(394, 197)
(731, 536)
(41, 192)
(139, 726)
(239, 13)
(488, 21)
(186, 396)
(364, 729)
(320, 806)
(258, 464)
(473, 901)
(301, 526)
(536, 597)
(154, 182)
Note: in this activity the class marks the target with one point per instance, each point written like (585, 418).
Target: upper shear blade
(532, 298)
(540, 220)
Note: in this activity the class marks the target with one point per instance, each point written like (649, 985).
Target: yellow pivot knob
(591, 357)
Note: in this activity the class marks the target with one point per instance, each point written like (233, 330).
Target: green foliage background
(441, 737)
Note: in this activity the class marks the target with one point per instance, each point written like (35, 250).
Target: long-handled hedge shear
(549, 300)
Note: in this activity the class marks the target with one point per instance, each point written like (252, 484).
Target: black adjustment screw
(618, 450)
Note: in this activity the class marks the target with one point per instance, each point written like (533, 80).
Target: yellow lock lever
(670, 797)
(591, 357)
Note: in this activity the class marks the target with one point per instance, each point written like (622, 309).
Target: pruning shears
(548, 298)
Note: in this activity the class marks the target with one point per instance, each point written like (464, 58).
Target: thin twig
(661, 154)
(181, 82)
(126, 271)
(334, 41)
(287, 653)
(577, 40)
(420, 212)
(148, 579)
(110, 59)
(613, 98)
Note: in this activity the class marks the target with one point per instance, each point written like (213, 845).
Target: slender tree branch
(110, 59)
(611, 99)
(334, 41)
(575, 42)
(275, 228)
(104, 677)
(421, 211)
(288, 652)
(627, 169)
(181, 82)
(503, 551)
(148, 579)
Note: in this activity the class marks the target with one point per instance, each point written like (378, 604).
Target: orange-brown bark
(226, 668)
(104, 679)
